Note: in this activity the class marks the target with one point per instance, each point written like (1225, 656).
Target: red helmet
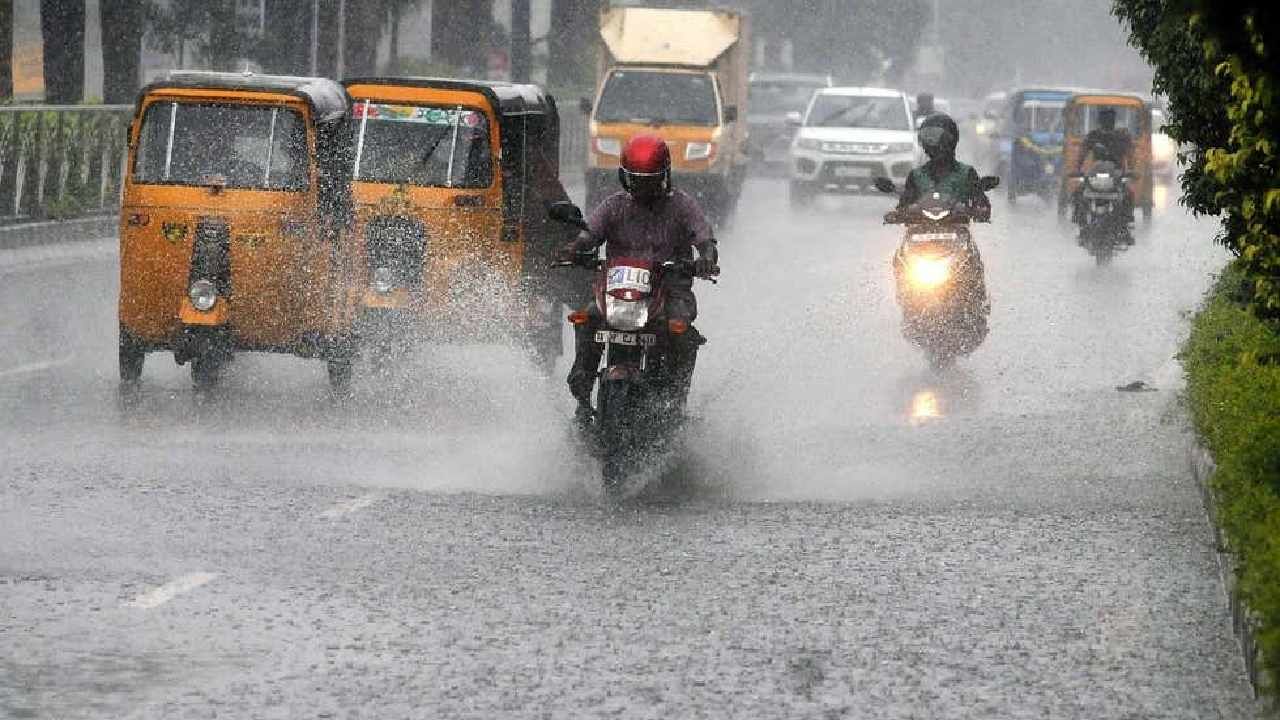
(646, 165)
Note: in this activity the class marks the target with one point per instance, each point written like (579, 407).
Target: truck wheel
(131, 358)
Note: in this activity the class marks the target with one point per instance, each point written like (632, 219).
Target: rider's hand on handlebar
(893, 217)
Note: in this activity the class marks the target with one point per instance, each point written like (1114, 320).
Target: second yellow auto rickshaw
(1133, 115)
(450, 180)
(233, 202)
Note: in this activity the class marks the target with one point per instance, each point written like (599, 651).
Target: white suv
(849, 136)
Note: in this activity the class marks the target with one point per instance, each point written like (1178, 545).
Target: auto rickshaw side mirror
(988, 183)
(885, 185)
(566, 212)
(584, 105)
(731, 113)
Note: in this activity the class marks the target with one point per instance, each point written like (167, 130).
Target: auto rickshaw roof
(328, 99)
(507, 98)
(1104, 97)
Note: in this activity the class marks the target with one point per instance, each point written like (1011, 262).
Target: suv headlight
(808, 144)
(203, 295)
(699, 150)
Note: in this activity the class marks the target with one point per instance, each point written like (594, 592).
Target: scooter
(1100, 211)
(640, 399)
(941, 286)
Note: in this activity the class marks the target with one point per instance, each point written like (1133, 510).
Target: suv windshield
(257, 147)
(777, 97)
(424, 145)
(861, 111)
(658, 97)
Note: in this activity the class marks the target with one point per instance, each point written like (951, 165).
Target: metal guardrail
(61, 161)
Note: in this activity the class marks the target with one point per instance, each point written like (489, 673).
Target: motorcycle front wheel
(616, 433)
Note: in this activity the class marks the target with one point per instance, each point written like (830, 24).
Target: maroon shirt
(663, 231)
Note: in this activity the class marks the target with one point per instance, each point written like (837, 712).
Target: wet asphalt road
(843, 534)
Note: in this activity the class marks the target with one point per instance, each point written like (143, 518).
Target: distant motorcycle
(941, 286)
(1100, 211)
(639, 402)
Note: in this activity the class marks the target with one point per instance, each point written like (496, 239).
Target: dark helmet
(645, 170)
(1107, 118)
(924, 103)
(939, 135)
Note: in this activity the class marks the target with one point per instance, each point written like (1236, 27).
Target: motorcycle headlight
(699, 150)
(808, 144)
(625, 314)
(203, 295)
(927, 273)
(383, 281)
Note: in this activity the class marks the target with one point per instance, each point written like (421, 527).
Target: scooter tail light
(677, 327)
(578, 317)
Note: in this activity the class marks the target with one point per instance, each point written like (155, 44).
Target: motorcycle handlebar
(684, 267)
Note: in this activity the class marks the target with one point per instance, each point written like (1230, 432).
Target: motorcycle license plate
(626, 338)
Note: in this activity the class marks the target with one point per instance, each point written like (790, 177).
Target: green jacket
(960, 181)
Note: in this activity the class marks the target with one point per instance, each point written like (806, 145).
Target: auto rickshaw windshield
(426, 145)
(258, 147)
(1038, 116)
(1128, 117)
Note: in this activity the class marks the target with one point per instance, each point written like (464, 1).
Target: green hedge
(1232, 361)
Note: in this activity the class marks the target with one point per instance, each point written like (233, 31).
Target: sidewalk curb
(50, 232)
(1244, 622)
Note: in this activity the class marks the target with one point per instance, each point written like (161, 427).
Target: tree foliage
(1217, 62)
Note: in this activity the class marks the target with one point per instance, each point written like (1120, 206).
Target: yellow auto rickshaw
(450, 180)
(230, 223)
(1133, 115)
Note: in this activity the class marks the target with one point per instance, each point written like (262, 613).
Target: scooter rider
(939, 136)
(651, 220)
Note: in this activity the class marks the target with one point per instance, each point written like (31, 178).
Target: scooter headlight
(384, 280)
(928, 273)
(203, 295)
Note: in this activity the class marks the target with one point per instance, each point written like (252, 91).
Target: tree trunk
(288, 51)
(224, 45)
(364, 25)
(521, 51)
(121, 49)
(459, 29)
(571, 43)
(62, 28)
(393, 61)
(6, 50)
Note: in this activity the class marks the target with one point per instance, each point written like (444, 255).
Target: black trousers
(681, 356)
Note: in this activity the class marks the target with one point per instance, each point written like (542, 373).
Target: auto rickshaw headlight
(384, 280)
(203, 294)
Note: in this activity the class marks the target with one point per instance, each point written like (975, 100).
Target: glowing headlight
(622, 314)
(609, 146)
(1102, 181)
(203, 295)
(927, 273)
(808, 144)
(699, 150)
(384, 280)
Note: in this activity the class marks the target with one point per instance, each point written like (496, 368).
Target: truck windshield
(256, 147)
(778, 97)
(426, 145)
(659, 98)
(884, 113)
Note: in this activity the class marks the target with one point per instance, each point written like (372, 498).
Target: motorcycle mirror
(989, 183)
(885, 185)
(566, 212)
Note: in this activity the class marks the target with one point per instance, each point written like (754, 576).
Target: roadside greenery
(1216, 60)
(1232, 360)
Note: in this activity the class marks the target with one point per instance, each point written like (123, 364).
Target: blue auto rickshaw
(1032, 159)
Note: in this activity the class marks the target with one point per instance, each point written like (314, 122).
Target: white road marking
(32, 368)
(170, 590)
(347, 507)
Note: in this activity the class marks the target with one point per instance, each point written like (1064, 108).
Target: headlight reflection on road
(1160, 195)
(925, 406)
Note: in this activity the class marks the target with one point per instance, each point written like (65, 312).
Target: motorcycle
(1100, 211)
(639, 400)
(940, 284)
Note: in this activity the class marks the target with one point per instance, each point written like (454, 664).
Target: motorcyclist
(648, 219)
(924, 106)
(939, 137)
(1104, 142)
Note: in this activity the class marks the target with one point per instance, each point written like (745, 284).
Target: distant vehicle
(1031, 149)
(847, 137)
(1133, 115)
(987, 128)
(683, 75)
(773, 96)
(1164, 150)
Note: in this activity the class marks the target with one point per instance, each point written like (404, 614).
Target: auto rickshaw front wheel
(205, 371)
(132, 357)
(340, 372)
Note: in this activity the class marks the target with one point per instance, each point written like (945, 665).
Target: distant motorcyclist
(939, 137)
(648, 220)
(924, 106)
(1105, 143)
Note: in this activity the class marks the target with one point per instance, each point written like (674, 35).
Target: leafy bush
(1232, 361)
